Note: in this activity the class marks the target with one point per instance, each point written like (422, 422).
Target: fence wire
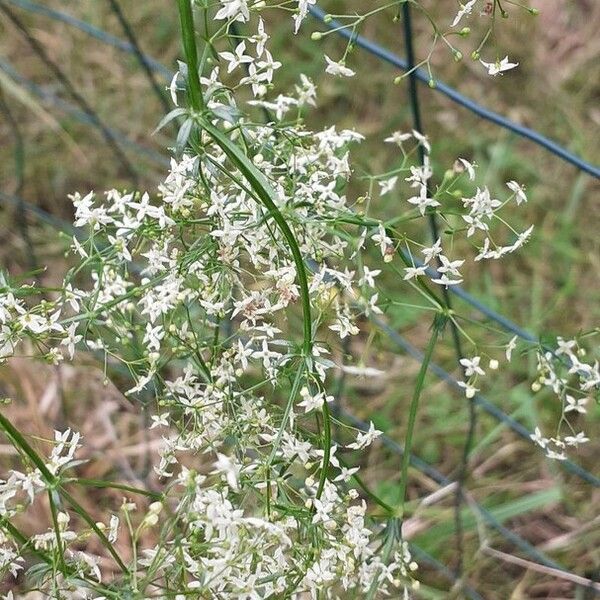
(458, 98)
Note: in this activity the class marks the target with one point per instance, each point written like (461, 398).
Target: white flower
(575, 440)
(364, 439)
(302, 12)
(575, 404)
(397, 138)
(313, 401)
(237, 57)
(227, 467)
(173, 88)
(538, 438)
(368, 277)
(465, 9)
(261, 38)
(422, 201)
(433, 251)
(387, 185)
(469, 167)
(412, 272)
(470, 389)
(499, 66)
(234, 9)
(448, 268)
(385, 243)
(511, 346)
(338, 68)
(71, 339)
(471, 366)
(517, 190)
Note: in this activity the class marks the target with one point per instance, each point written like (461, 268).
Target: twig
(515, 560)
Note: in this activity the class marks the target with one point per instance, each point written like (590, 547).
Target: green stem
(268, 196)
(326, 448)
(438, 324)
(21, 443)
(96, 483)
(92, 524)
(186, 18)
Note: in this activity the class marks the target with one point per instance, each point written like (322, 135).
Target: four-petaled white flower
(338, 68)
(237, 57)
(518, 190)
(499, 66)
(234, 9)
(387, 185)
(465, 9)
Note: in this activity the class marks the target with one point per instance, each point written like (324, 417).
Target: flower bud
(155, 507)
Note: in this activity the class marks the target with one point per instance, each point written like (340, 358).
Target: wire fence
(151, 65)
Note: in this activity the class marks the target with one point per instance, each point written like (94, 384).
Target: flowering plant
(222, 299)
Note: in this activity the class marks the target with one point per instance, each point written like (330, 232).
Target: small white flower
(469, 167)
(338, 68)
(433, 251)
(397, 138)
(499, 66)
(575, 404)
(471, 366)
(227, 467)
(465, 9)
(518, 190)
(387, 185)
(511, 346)
(411, 272)
(364, 439)
(237, 57)
(234, 9)
(470, 389)
(368, 277)
(173, 89)
(385, 243)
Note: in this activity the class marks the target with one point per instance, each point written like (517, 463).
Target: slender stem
(268, 196)
(433, 227)
(96, 483)
(438, 324)
(92, 524)
(19, 441)
(186, 17)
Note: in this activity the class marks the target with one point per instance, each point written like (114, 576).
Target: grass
(552, 288)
